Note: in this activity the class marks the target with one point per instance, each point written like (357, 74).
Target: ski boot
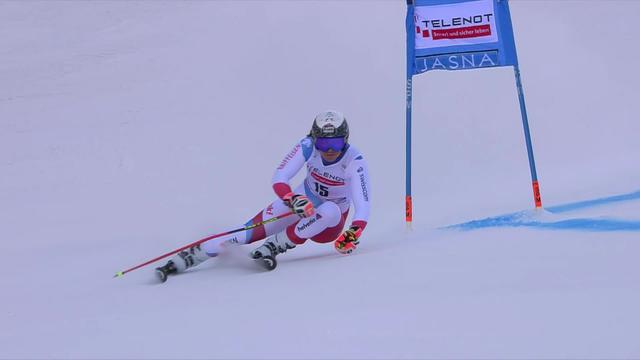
(181, 262)
(266, 253)
(163, 272)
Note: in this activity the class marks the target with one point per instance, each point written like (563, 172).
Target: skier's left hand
(348, 241)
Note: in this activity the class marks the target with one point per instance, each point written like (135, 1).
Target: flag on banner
(459, 34)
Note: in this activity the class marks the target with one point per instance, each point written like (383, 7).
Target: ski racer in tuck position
(336, 176)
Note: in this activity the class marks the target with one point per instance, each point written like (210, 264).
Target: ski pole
(249, 227)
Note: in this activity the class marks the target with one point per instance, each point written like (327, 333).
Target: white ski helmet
(330, 124)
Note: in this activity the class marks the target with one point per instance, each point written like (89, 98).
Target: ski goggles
(332, 143)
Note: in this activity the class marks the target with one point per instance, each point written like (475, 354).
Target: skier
(336, 176)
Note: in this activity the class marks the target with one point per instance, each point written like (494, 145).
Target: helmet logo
(328, 129)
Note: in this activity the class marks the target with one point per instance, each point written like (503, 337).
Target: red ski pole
(118, 274)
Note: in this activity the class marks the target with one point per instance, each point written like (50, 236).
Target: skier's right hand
(299, 204)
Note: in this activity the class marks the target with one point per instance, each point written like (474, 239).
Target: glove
(348, 241)
(299, 204)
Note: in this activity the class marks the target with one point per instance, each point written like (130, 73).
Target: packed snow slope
(131, 128)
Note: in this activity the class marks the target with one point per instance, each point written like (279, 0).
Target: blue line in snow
(592, 203)
(528, 218)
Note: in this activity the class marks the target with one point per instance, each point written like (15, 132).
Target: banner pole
(408, 200)
(410, 26)
(527, 136)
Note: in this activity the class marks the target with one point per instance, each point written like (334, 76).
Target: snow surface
(131, 128)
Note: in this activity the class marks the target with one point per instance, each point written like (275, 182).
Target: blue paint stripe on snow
(523, 218)
(592, 203)
(595, 225)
